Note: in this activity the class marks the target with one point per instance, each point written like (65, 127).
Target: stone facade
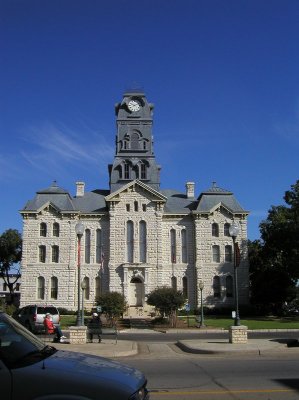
(137, 236)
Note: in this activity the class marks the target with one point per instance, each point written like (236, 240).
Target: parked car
(30, 370)
(33, 315)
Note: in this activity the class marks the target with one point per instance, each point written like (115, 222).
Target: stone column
(238, 334)
(78, 334)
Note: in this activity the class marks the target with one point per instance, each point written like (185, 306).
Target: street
(173, 374)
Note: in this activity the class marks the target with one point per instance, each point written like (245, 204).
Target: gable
(136, 186)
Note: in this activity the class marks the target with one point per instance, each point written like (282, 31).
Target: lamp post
(234, 230)
(201, 286)
(79, 228)
(83, 287)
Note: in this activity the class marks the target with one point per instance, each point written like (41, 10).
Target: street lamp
(234, 230)
(201, 286)
(83, 287)
(79, 228)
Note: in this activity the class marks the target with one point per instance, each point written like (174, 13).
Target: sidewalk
(107, 348)
(123, 348)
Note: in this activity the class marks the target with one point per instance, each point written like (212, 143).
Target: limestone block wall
(115, 274)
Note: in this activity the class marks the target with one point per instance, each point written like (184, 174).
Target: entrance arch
(136, 292)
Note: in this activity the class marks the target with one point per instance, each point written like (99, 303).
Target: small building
(5, 292)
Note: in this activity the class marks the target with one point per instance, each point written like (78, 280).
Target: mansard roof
(96, 201)
(59, 197)
(214, 196)
(93, 201)
(178, 202)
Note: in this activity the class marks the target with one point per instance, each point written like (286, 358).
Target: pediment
(48, 207)
(134, 186)
(222, 208)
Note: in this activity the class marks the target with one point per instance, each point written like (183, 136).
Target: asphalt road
(173, 374)
(176, 375)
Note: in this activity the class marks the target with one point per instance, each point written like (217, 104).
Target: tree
(113, 305)
(274, 260)
(167, 301)
(10, 257)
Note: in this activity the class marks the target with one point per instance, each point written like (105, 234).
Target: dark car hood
(91, 367)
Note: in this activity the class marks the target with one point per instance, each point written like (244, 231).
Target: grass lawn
(251, 323)
(216, 322)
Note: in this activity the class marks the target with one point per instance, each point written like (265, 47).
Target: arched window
(135, 205)
(99, 246)
(134, 141)
(41, 287)
(229, 286)
(184, 245)
(226, 229)
(87, 246)
(215, 230)
(87, 288)
(130, 241)
(228, 253)
(98, 287)
(143, 171)
(216, 286)
(173, 246)
(54, 288)
(43, 229)
(185, 286)
(126, 170)
(56, 229)
(216, 253)
(174, 283)
(142, 241)
(55, 254)
(42, 254)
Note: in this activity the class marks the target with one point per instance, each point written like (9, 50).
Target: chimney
(190, 190)
(80, 189)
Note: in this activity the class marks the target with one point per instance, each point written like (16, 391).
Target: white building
(137, 236)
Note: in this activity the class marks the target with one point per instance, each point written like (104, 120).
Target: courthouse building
(137, 236)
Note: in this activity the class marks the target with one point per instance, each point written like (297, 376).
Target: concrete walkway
(123, 348)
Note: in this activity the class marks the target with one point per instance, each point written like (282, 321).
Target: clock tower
(134, 154)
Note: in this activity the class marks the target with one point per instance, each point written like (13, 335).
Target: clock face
(134, 105)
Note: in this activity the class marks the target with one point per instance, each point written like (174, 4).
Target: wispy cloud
(60, 148)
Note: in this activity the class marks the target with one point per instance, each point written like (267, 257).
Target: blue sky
(223, 75)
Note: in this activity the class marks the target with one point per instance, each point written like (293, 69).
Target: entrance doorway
(136, 292)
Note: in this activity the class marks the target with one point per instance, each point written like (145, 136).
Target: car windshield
(18, 346)
(45, 310)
